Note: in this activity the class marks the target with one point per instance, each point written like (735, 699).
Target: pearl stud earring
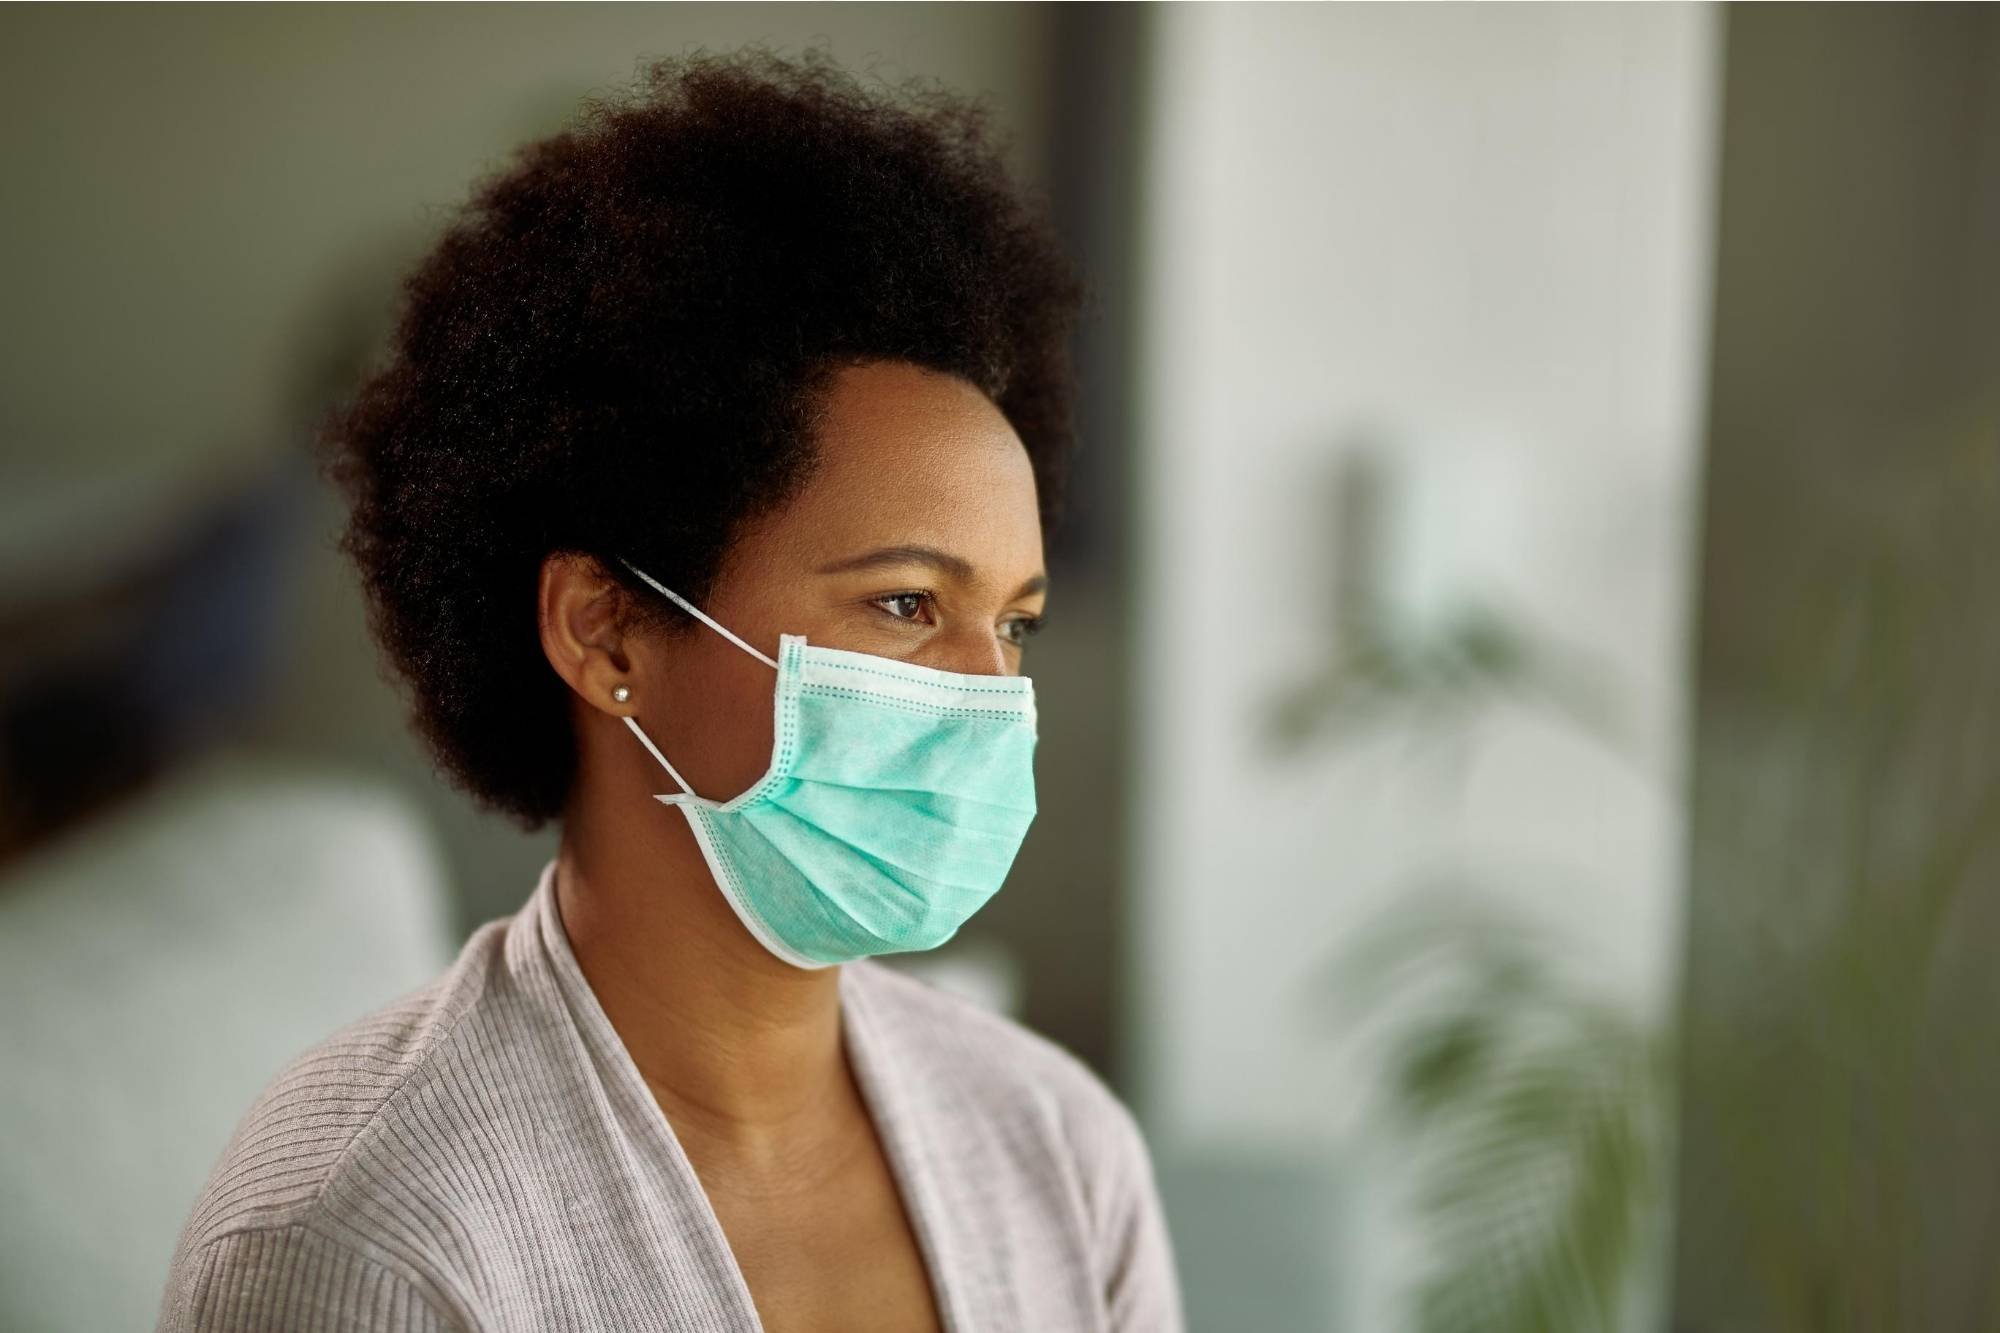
(620, 693)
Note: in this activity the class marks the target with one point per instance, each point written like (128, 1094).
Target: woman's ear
(585, 632)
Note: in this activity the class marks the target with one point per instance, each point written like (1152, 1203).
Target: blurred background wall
(1425, 322)
(1840, 1090)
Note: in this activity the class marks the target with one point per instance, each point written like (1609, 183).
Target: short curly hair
(620, 346)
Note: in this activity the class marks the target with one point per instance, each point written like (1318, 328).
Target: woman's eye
(1019, 630)
(916, 598)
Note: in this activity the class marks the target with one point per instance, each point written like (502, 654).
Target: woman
(701, 507)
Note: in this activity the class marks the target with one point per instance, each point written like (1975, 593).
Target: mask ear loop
(654, 750)
(712, 623)
(700, 614)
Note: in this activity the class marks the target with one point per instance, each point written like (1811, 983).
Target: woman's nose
(971, 652)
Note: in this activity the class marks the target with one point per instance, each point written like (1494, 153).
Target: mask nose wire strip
(647, 741)
(701, 615)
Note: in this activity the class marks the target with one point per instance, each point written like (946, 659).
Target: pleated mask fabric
(896, 800)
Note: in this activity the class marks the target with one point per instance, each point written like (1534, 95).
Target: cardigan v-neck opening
(885, 1094)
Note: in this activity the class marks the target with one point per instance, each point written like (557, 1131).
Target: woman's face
(918, 537)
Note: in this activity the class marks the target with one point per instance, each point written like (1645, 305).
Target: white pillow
(157, 966)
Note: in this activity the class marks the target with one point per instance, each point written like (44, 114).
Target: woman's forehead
(874, 413)
(907, 456)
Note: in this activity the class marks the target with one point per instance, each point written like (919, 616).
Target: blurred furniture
(140, 612)
(159, 962)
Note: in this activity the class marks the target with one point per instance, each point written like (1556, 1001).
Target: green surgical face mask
(896, 799)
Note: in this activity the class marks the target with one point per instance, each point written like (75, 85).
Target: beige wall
(205, 200)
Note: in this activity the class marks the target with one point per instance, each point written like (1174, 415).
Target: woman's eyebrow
(952, 566)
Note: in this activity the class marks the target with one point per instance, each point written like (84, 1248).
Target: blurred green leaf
(1853, 1047)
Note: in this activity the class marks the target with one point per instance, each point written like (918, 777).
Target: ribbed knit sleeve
(295, 1280)
(1141, 1284)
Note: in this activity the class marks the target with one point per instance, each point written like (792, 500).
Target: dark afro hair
(621, 342)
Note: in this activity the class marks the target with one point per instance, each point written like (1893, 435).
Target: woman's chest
(602, 1226)
(844, 1257)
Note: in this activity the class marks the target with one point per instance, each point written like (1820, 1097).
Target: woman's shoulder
(284, 1166)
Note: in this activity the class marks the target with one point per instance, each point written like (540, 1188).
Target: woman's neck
(742, 1050)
